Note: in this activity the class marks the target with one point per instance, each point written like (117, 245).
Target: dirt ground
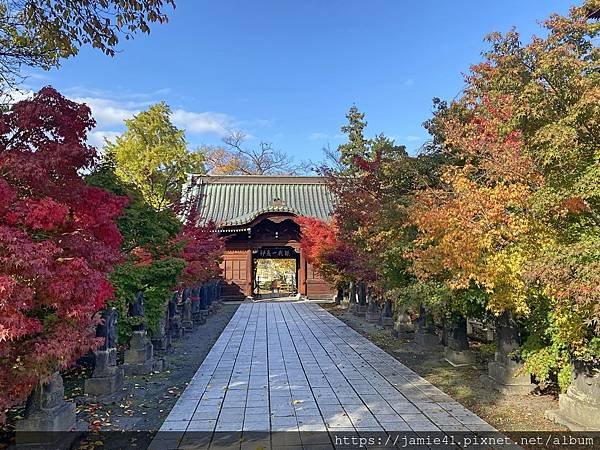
(506, 413)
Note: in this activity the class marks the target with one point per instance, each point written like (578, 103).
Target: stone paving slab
(294, 367)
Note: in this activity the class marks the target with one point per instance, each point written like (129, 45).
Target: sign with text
(275, 252)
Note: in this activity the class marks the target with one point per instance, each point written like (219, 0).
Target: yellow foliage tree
(152, 156)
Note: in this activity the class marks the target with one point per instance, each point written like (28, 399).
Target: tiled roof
(232, 201)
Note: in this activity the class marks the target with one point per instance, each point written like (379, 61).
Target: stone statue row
(197, 303)
(362, 301)
(46, 408)
(504, 372)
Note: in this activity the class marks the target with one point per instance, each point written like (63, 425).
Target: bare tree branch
(239, 159)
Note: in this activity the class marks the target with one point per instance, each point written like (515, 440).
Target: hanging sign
(275, 252)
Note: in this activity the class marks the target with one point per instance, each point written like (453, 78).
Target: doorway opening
(275, 277)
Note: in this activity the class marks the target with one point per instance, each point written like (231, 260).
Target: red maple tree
(58, 241)
(318, 238)
(336, 260)
(202, 250)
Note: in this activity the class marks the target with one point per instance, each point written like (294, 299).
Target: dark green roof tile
(232, 201)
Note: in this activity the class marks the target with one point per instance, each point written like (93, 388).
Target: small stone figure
(403, 322)
(136, 309)
(387, 316)
(173, 305)
(195, 297)
(187, 322)
(372, 314)
(46, 412)
(505, 374)
(457, 350)
(210, 292)
(139, 358)
(161, 339)
(204, 300)
(361, 306)
(425, 334)
(352, 297)
(108, 328)
(339, 297)
(107, 378)
(175, 328)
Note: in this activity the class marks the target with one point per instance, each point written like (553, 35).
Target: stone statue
(139, 358)
(108, 328)
(186, 310)
(173, 305)
(46, 411)
(136, 309)
(372, 314)
(175, 328)
(387, 316)
(425, 334)
(195, 298)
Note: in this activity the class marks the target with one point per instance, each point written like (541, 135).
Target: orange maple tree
(476, 228)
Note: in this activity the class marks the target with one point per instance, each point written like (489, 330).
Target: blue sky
(287, 71)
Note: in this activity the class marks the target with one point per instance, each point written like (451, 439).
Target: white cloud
(203, 122)
(411, 138)
(318, 136)
(97, 137)
(16, 95)
(110, 112)
(324, 136)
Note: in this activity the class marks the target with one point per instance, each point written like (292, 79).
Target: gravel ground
(507, 413)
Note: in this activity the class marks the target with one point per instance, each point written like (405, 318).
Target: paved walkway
(295, 367)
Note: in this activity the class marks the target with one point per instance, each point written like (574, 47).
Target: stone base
(139, 355)
(372, 316)
(459, 358)
(177, 333)
(506, 378)
(402, 327)
(33, 428)
(161, 343)
(200, 319)
(576, 414)
(176, 328)
(427, 339)
(139, 359)
(387, 322)
(360, 310)
(160, 365)
(400, 334)
(139, 369)
(98, 386)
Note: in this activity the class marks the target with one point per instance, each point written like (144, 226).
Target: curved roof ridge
(247, 218)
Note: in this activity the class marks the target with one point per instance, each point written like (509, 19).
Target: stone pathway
(295, 367)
